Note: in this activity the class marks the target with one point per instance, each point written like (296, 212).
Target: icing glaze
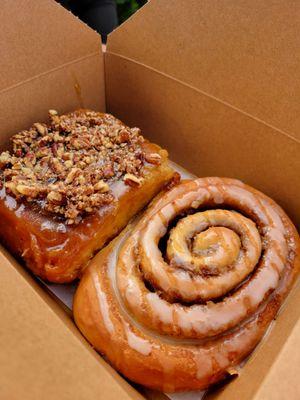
(138, 344)
(103, 304)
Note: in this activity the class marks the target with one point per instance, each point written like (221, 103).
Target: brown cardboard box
(219, 77)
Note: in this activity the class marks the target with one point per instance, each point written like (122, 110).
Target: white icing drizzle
(216, 194)
(20, 210)
(246, 198)
(160, 309)
(60, 246)
(53, 226)
(10, 202)
(133, 293)
(103, 304)
(137, 343)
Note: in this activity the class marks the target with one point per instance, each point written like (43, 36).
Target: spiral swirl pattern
(203, 273)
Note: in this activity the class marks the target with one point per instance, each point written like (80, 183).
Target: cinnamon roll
(70, 186)
(186, 292)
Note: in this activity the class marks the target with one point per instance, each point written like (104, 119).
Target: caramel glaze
(152, 339)
(57, 252)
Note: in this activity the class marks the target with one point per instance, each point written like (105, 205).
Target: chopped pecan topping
(68, 165)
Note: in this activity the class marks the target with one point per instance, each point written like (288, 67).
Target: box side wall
(206, 136)
(283, 377)
(41, 349)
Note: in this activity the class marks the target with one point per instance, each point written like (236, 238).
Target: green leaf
(128, 7)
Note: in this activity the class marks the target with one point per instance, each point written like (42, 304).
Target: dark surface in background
(103, 15)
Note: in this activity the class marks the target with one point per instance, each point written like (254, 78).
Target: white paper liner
(198, 395)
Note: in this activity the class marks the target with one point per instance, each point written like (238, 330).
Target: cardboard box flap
(244, 54)
(49, 59)
(39, 36)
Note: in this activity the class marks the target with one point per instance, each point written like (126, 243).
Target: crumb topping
(68, 165)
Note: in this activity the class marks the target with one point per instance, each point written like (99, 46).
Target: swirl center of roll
(215, 248)
(182, 274)
(210, 251)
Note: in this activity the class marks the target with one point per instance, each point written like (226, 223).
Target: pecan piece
(40, 128)
(132, 180)
(101, 186)
(153, 158)
(71, 175)
(4, 159)
(54, 197)
(27, 190)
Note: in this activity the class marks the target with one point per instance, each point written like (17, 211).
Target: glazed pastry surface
(186, 292)
(42, 220)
